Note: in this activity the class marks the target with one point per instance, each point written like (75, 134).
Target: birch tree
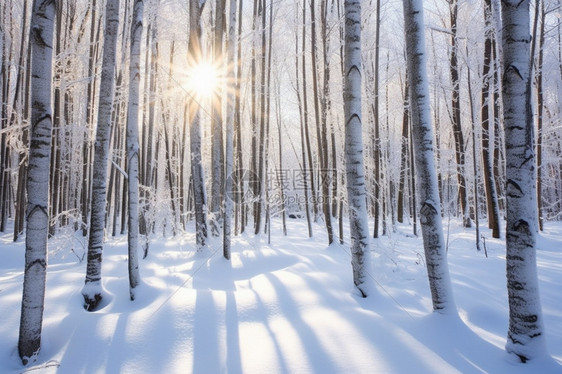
(489, 182)
(426, 177)
(525, 337)
(217, 144)
(229, 152)
(355, 170)
(37, 216)
(197, 172)
(133, 146)
(92, 291)
(456, 115)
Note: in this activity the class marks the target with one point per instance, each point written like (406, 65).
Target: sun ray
(203, 80)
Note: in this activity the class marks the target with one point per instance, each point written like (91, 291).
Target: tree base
(92, 303)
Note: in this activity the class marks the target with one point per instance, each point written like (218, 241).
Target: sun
(203, 80)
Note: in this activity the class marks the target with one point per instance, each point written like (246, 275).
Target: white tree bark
(525, 337)
(217, 144)
(229, 153)
(426, 177)
(92, 291)
(133, 146)
(197, 172)
(355, 170)
(37, 216)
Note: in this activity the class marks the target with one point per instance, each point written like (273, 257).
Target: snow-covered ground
(288, 307)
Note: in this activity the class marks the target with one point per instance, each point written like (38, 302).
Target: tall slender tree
(321, 108)
(355, 170)
(376, 124)
(456, 115)
(525, 337)
(403, 155)
(302, 131)
(240, 221)
(540, 115)
(197, 172)
(489, 181)
(95, 26)
(263, 121)
(92, 291)
(229, 152)
(133, 146)
(37, 215)
(426, 177)
(217, 146)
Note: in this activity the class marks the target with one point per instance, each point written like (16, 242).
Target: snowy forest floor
(287, 307)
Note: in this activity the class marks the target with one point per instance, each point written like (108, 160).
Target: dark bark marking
(513, 189)
(521, 226)
(40, 262)
(35, 208)
(41, 119)
(354, 67)
(353, 116)
(427, 210)
(513, 68)
(514, 258)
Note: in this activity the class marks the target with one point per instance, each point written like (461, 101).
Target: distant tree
(197, 172)
(456, 114)
(525, 337)
(403, 155)
(489, 181)
(33, 299)
(307, 171)
(241, 209)
(426, 177)
(377, 178)
(261, 146)
(229, 154)
(355, 170)
(321, 109)
(92, 291)
(13, 112)
(133, 146)
(217, 143)
(303, 124)
(93, 55)
(540, 112)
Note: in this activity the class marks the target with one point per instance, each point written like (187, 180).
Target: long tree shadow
(233, 359)
(206, 347)
(216, 337)
(312, 344)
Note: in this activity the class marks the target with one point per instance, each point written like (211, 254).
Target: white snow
(288, 307)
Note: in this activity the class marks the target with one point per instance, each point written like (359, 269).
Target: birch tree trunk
(326, 173)
(229, 152)
(90, 107)
(133, 146)
(525, 337)
(261, 172)
(217, 144)
(426, 177)
(376, 124)
(302, 121)
(200, 196)
(489, 181)
(456, 116)
(33, 298)
(355, 170)
(403, 154)
(240, 220)
(321, 107)
(92, 291)
(540, 116)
